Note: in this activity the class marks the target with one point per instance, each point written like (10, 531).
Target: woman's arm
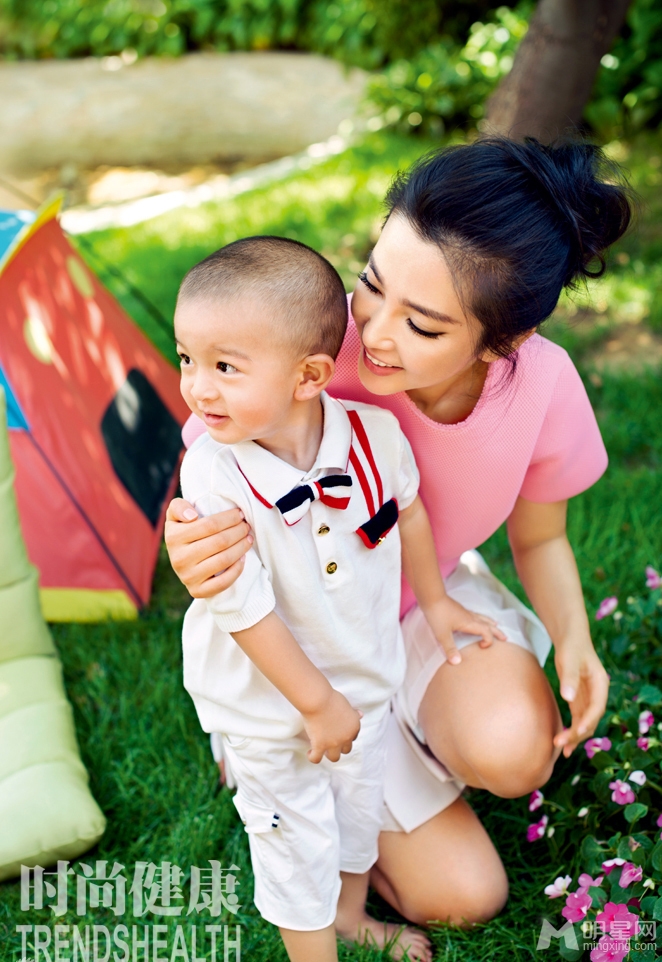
(548, 571)
(207, 554)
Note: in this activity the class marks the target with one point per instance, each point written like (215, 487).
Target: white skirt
(418, 786)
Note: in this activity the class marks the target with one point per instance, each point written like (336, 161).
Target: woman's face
(414, 330)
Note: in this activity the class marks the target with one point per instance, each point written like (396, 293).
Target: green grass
(150, 766)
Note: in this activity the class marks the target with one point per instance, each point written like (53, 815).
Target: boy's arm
(421, 568)
(245, 609)
(329, 720)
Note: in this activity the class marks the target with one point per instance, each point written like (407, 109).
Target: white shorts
(306, 823)
(417, 786)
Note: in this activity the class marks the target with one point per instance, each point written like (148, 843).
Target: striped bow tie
(331, 491)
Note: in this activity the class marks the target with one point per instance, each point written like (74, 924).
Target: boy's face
(238, 374)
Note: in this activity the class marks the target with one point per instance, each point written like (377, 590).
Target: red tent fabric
(95, 436)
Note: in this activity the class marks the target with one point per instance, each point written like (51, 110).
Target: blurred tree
(555, 68)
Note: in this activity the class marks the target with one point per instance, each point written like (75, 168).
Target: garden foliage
(603, 823)
(438, 60)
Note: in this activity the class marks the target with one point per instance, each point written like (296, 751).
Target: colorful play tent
(94, 416)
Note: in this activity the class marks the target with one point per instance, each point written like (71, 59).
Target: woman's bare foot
(401, 941)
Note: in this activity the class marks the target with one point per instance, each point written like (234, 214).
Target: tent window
(143, 441)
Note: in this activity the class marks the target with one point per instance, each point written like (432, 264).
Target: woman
(478, 244)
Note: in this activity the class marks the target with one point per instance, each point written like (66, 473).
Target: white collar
(271, 478)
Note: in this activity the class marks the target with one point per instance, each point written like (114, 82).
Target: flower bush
(603, 822)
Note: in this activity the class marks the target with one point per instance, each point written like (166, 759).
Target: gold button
(323, 529)
(331, 567)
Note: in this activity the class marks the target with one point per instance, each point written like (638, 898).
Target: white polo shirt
(339, 598)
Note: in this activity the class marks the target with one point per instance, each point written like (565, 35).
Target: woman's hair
(517, 222)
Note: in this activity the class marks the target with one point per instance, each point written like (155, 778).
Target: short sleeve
(251, 598)
(408, 476)
(569, 455)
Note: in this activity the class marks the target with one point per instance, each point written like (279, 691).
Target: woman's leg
(492, 718)
(491, 721)
(446, 870)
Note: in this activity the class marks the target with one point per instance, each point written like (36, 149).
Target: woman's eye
(363, 277)
(418, 330)
(226, 368)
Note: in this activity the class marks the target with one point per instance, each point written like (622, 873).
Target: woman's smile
(380, 368)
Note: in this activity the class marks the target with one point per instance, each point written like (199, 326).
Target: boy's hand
(332, 728)
(447, 616)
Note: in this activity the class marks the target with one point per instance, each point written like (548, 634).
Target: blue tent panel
(15, 417)
(11, 222)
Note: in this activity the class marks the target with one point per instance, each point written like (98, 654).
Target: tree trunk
(554, 69)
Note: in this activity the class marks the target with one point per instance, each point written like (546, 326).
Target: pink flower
(610, 950)
(594, 745)
(611, 864)
(622, 794)
(646, 721)
(617, 921)
(586, 882)
(576, 906)
(643, 743)
(537, 830)
(659, 821)
(607, 607)
(653, 580)
(638, 777)
(629, 874)
(558, 887)
(536, 800)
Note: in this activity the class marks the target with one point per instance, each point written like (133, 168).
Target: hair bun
(597, 212)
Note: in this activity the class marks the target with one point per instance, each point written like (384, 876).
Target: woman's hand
(207, 554)
(585, 686)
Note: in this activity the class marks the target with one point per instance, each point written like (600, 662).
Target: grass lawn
(150, 766)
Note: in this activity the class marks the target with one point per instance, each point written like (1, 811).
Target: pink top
(534, 435)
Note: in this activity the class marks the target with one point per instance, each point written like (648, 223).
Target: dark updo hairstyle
(517, 222)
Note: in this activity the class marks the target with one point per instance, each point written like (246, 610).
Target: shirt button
(331, 567)
(323, 529)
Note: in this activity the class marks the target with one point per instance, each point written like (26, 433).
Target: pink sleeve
(192, 430)
(569, 455)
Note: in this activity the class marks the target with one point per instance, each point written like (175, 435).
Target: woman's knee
(514, 756)
(446, 870)
(475, 897)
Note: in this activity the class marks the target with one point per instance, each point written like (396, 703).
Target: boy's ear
(316, 370)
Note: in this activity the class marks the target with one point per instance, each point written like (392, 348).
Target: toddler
(295, 664)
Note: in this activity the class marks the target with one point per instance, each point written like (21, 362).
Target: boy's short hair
(305, 288)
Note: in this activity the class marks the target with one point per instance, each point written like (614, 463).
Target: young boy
(295, 664)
